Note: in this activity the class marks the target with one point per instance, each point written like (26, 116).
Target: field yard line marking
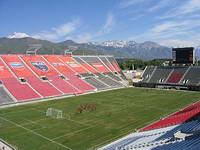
(72, 133)
(35, 133)
(39, 128)
(31, 121)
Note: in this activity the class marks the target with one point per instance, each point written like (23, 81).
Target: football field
(118, 113)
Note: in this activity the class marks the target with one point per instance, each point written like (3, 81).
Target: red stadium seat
(70, 62)
(22, 71)
(174, 78)
(176, 118)
(21, 91)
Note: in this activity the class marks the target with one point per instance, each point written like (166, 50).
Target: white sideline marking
(35, 133)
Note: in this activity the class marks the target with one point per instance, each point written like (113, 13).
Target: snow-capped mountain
(132, 49)
(118, 43)
(18, 35)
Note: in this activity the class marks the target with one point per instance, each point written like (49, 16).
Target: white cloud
(18, 35)
(107, 27)
(190, 7)
(60, 31)
(173, 33)
(67, 28)
(161, 4)
(170, 25)
(127, 3)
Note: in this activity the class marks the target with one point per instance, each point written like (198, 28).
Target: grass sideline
(119, 112)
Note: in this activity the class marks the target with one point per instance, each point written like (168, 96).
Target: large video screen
(183, 55)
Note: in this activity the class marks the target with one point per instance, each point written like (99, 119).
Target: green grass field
(118, 113)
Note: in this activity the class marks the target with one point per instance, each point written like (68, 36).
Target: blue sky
(168, 22)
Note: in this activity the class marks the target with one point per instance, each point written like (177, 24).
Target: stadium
(99, 75)
(83, 102)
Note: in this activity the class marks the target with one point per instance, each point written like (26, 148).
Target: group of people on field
(86, 107)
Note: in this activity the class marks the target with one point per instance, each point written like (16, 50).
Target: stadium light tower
(33, 48)
(70, 50)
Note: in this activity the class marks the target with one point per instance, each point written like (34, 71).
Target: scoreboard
(183, 55)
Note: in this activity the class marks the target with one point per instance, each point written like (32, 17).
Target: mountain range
(128, 49)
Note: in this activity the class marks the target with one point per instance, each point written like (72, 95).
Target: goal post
(54, 113)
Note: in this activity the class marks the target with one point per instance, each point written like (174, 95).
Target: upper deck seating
(160, 75)
(95, 62)
(18, 90)
(177, 74)
(192, 76)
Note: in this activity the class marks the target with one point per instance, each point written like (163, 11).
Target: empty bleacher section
(192, 77)
(21, 70)
(113, 76)
(96, 83)
(73, 78)
(95, 63)
(114, 63)
(147, 73)
(179, 77)
(108, 81)
(4, 97)
(32, 77)
(161, 139)
(107, 63)
(160, 75)
(70, 62)
(46, 71)
(20, 91)
(85, 64)
(176, 118)
(177, 74)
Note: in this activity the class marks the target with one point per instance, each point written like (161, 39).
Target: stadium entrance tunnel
(22, 80)
(44, 78)
(62, 77)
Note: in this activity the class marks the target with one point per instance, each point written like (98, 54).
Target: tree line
(138, 64)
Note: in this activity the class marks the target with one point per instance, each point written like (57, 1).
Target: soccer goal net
(54, 113)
